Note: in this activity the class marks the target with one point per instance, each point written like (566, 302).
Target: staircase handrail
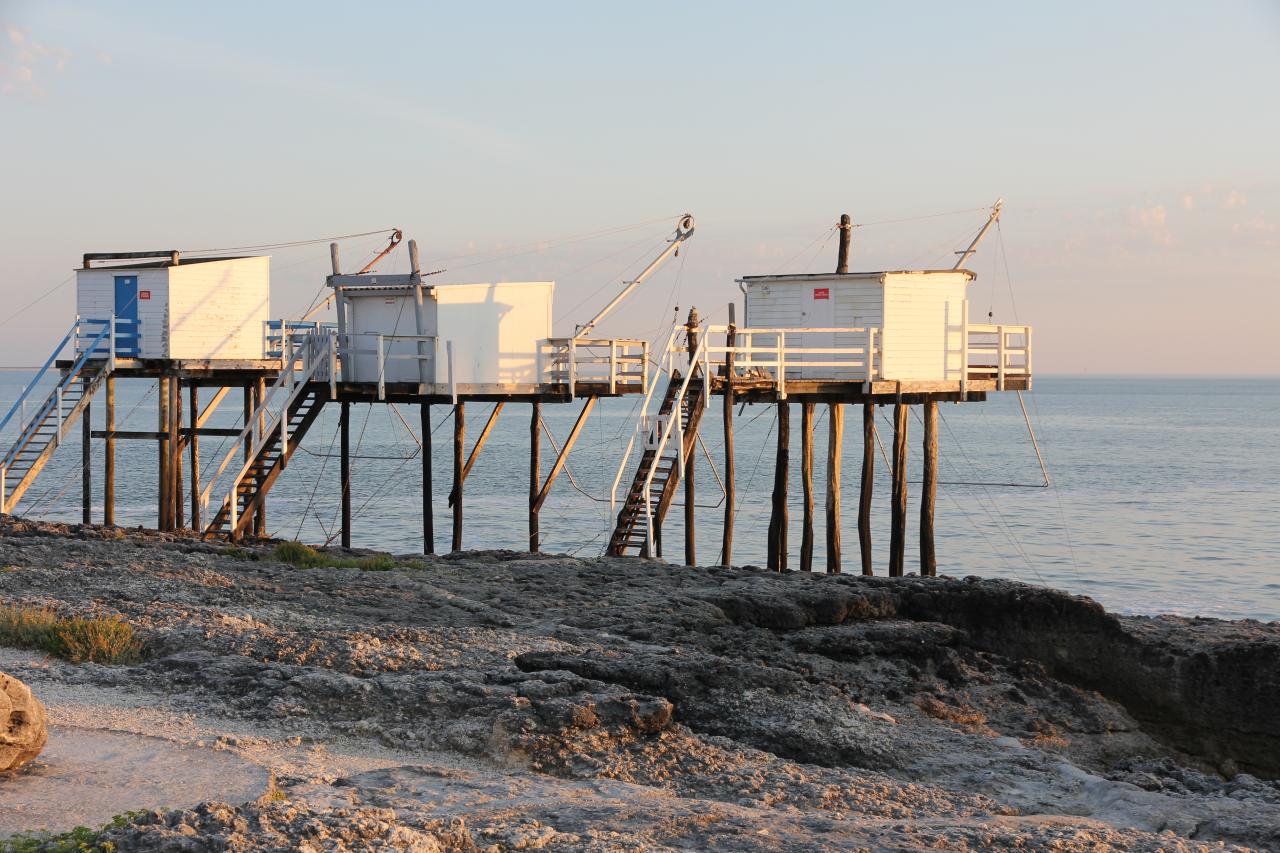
(700, 352)
(315, 351)
(53, 398)
(644, 411)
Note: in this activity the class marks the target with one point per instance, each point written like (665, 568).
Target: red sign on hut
(822, 293)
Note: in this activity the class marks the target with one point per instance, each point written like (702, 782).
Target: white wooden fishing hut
(203, 322)
(874, 338)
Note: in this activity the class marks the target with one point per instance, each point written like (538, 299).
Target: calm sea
(1165, 493)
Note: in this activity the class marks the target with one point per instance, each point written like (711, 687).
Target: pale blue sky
(1135, 144)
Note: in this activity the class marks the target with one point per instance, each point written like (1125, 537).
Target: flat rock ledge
(605, 704)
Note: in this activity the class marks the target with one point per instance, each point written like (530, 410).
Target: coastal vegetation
(82, 839)
(101, 639)
(302, 556)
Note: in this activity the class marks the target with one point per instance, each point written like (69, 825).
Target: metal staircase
(669, 439)
(41, 434)
(288, 409)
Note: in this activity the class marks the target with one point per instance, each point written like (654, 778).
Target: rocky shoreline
(496, 700)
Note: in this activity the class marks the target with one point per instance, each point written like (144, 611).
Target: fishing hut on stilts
(202, 327)
(889, 338)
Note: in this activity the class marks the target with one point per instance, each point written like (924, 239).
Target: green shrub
(302, 556)
(107, 639)
(82, 839)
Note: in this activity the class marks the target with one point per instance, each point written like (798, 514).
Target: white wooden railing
(774, 357)
(996, 352)
(621, 364)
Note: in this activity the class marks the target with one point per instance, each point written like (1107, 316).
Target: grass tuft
(302, 556)
(82, 839)
(107, 639)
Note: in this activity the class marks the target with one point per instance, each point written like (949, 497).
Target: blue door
(128, 331)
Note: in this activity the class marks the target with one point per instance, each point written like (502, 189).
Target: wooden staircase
(271, 434)
(55, 415)
(263, 470)
(631, 533)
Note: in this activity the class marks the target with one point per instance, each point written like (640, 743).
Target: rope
(15, 315)
(286, 245)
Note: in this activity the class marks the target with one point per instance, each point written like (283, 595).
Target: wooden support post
(344, 468)
(777, 558)
(194, 444)
(459, 435)
(835, 439)
(535, 473)
(162, 449)
(563, 456)
(86, 471)
(259, 395)
(726, 542)
(806, 483)
(867, 485)
(248, 406)
(175, 450)
(929, 490)
(690, 462)
(428, 517)
(109, 459)
(898, 513)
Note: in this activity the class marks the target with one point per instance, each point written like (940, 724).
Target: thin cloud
(25, 63)
(1234, 200)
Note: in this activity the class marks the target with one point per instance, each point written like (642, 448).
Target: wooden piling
(248, 406)
(344, 455)
(835, 439)
(806, 483)
(175, 451)
(690, 462)
(535, 473)
(86, 470)
(109, 457)
(867, 486)
(194, 444)
(898, 507)
(777, 559)
(428, 516)
(162, 450)
(259, 395)
(726, 541)
(459, 435)
(929, 490)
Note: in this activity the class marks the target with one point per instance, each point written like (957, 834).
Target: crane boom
(684, 230)
(973, 247)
